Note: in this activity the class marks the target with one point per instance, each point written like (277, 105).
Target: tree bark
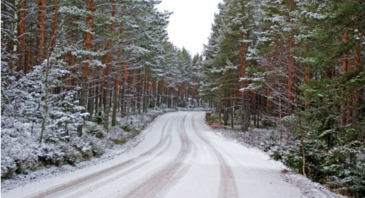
(301, 135)
(14, 64)
(290, 71)
(116, 83)
(85, 65)
(41, 15)
(22, 36)
(54, 27)
(344, 118)
(109, 68)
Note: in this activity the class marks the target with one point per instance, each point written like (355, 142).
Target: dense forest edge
(295, 69)
(78, 77)
(78, 80)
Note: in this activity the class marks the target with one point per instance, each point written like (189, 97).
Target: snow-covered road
(179, 157)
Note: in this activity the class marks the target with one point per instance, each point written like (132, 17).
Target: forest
(294, 67)
(71, 69)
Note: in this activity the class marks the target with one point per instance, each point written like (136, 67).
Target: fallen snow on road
(177, 156)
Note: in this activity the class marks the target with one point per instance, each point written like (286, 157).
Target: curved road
(179, 157)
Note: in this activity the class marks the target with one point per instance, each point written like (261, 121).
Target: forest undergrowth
(266, 137)
(22, 153)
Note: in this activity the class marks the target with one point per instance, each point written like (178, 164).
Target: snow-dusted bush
(20, 151)
(99, 117)
(118, 135)
(24, 103)
(71, 154)
(97, 146)
(17, 147)
(127, 127)
(95, 130)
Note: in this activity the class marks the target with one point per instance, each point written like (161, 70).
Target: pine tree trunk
(344, 69)
(22, 36)
(116, 83)
(91, 95)
(307, 77)
(108, 78)
(254, 107)
(45, 115)
(247, 109)
(85, 66)
(144, 91)
(280, 125)
(154, 92)
(69, 62)
(290, 71)
(41, 15)
(14, 65)
(97, 98)
(125, 86)
(242, 72)
(159, 93)
(139, 90)
(31, 55)
(107, 100)
(358, 96)
(232, 109)
(54, 27)
(301, 135)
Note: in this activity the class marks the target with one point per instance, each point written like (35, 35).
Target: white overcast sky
(191, 23)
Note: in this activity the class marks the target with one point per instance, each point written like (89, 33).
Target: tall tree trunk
(54, 27)
(154, 92)
(91, 97)
(344, 118)
(41, 15)
(145, 87)
(246, 103)
(358, 96)
(46, 85)
(301, 135)
(139, 90)
(109, 68)
(192, 92)
(290, 72)
(14, 64)
(242, 72)
(69, 62)
(307, 77)
(85, 65)
(280, 125)
(247, 120)
(125, 86)
(116, 83)
(53, 37)
(22, 36)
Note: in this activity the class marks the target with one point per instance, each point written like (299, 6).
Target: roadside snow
(309, 188)
(140, 121)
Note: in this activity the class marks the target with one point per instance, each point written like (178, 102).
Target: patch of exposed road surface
(180, 157)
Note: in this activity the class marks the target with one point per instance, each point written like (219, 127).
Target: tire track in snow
(77, 183)
(126, 172)
(159, 183)
(227, 186)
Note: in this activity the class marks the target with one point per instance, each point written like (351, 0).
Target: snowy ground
(178, 155)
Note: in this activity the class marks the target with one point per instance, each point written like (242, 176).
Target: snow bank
(254, 141)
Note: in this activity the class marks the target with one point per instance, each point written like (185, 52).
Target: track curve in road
(179, 157)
